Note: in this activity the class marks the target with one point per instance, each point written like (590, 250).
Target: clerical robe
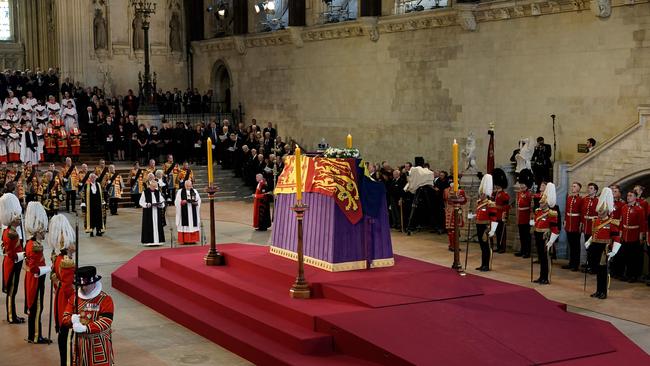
(188, 216)
(152, 203)
(261, 212)
(93, 201)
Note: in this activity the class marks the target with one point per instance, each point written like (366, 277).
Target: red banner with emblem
(336, 178)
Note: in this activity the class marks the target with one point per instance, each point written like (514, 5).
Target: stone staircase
(230, 188)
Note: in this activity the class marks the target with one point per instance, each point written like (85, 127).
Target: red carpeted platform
(414, 313)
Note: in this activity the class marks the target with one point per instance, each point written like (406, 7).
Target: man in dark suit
(541, 162)
(269, 128)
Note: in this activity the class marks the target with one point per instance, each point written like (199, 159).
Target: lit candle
(209, 161)
(454, 152)
(348, 141)
(298, 176)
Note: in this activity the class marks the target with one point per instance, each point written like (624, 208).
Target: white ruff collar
(93, 294)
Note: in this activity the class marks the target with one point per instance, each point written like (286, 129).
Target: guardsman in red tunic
(604, 241)
(62, 236)
(91, 320)
(36, 271)
(524, 211)
(618, 201)
(546, 231)
(589, 214)
(450, 223)
(572, 221)
(12, 263)
(486, 217)
(634, 227)
(502, 205)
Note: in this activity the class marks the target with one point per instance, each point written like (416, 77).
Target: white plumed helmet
(606, 201)
(60, 235)
(10, 209)
(550, 195)
(486, 185)
(35, 219)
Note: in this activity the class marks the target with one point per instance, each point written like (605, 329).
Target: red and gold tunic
(588, 213)
(486, 211)
(183, 175)
(33, 261)
(94, 347)
(605, 231)
(63, 280)
(62, 138)
(57, 122)
(502, 205)
(524, 203)
(11, 247)
(75, 137)
(644, 205)
(573, 214)
(50, 139)
(449, 208)
(632, 223)
(546, 221)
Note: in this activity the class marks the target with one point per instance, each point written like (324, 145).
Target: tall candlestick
(348, 141)
(210, 177)
(298, 175)
(454, 152)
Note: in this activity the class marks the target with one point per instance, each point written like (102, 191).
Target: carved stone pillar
(73, 33)
(37, 20)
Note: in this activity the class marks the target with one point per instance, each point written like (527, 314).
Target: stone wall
(407, 85)
(116, 66)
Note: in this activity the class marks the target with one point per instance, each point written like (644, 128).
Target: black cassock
(152, 223)
(93, 199)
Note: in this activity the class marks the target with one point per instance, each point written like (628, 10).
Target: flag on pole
(490, 154)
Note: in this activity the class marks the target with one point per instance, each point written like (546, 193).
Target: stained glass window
(5, 20)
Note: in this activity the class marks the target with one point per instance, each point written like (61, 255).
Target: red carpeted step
(220, 329)
(302, 339)
(260, 290)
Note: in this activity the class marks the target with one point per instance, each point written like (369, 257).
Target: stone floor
(143, 337)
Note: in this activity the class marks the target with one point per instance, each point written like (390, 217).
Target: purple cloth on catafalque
(328, 235)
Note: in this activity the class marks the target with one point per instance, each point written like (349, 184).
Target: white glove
(493, 228)
(43, 270)
(551, 240)
(615, 247)
(21, 256)
(531, 223)
(587, 243)
(75, 318)
(82, 205)
(471, 216)
(79, 328)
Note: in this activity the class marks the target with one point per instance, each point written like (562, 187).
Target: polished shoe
(595, 294)
(100, 234)
(518, 254)
(485, 269)
(17, 320)
(40, 340)
(602, 296)
(544, 282)
(538, 280)
(567, 267)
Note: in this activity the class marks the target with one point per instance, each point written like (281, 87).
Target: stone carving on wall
(100, 31)
(240, 45)
(467, 20)
(469, 155)
(535, 10)
(370, 26)
(579, 4)
(296, 36)
(138, 33)
(602, 8)
(175, 33)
